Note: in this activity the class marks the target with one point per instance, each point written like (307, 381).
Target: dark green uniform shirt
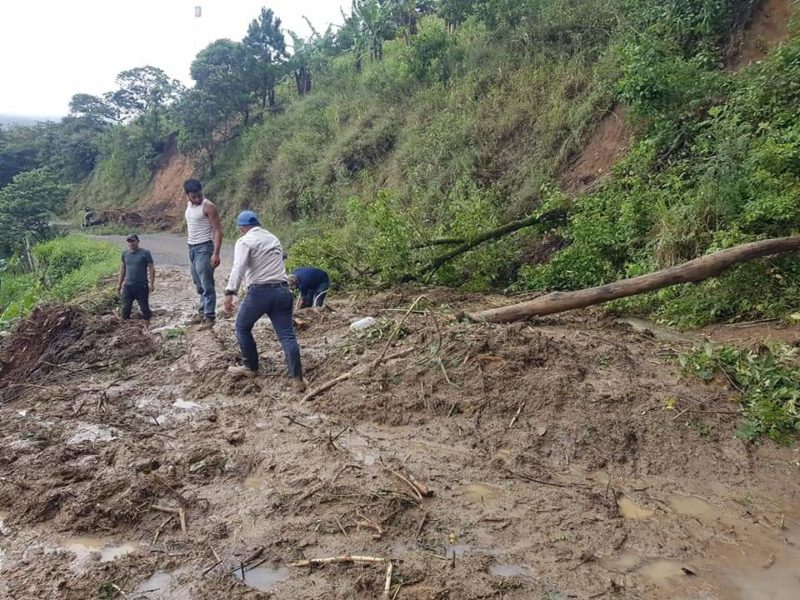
(136, 266)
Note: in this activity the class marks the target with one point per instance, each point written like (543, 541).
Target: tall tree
(94, 109)
(27, 205)
(144, 90)
(265, 45)
(220, 72)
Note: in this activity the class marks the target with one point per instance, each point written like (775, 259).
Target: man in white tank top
(204, 236)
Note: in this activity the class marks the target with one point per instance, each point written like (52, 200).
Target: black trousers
(140, 293)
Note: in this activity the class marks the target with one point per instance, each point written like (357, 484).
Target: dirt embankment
(568, 458)
(768, 27)
(605, 147)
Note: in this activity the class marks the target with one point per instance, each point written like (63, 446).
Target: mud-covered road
(566, 458)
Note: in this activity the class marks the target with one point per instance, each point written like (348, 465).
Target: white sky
(52, 49)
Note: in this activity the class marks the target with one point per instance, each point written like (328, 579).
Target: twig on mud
(516, 416)
(395, 331)
(342, 470)
(178, 496)
(417, 493)
(388, 585)
(216, 564)
(370, 524)
(444, 372)
(421, 525)
(177, 511)
(341, 528)
(119, 590)
(535, 480)
(326, 386)
(66, 368)
(345, 376)
(295, 422)
(452, 409)
(421, 487)
(346, 559)
(333, 438)
(160, 529)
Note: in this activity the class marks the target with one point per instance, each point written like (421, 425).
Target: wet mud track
(566, 458)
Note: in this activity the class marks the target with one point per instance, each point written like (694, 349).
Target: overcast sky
(52, 49)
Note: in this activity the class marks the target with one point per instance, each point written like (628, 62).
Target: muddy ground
(567, 458)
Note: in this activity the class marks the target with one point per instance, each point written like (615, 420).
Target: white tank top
(198, 225)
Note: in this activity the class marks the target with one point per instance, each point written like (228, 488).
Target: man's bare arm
(151, 275)
(121, 276)
(216, 231)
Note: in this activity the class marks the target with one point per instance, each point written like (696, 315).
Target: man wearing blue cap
(258, 263)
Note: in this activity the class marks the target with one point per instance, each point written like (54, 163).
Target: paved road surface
(169, 249)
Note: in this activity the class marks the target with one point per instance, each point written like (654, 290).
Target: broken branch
(337, 559)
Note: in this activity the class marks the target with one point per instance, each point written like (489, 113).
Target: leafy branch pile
(768, 380)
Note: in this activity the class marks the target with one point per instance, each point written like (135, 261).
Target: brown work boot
(207, 324)
(197, 319)
(298, 385)
(237, 371)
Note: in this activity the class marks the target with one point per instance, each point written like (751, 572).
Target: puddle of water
(624, 563)
(484, 495)
(360, 448)
(83, 547)
(262, 578)
(629, 510)
(661, 571)
(459, 549)
(92, 433)
(510, 571)
(781, 581)
(186, 404)
(161, 581)
(254, 482)
(764, 567)
(691, 506)
(504, 454)
(439, 447)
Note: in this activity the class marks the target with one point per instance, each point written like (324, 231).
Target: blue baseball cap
(247, 218)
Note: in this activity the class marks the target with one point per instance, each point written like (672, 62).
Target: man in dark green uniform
(137, 276)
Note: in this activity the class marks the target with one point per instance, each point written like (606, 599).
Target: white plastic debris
(362, 324)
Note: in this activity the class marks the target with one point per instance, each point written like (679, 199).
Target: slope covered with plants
(386, 148)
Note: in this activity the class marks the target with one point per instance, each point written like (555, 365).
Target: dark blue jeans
(316, 297)
(139, 292)
(275, 302)
(203, 277)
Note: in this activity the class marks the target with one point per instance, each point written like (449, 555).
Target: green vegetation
(417, 125)
(67, 269)
(768, 380)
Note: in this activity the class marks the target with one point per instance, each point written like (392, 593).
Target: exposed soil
(608, 144)
(557, 468)
(768, 27)
(164, 194)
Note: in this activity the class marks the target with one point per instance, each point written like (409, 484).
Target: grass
(73, 268)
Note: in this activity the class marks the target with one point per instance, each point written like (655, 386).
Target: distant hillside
(10, 120)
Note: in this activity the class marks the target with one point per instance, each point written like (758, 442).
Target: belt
(201, 243)
(269, 284)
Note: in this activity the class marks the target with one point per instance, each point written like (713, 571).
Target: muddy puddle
(630, 510)
(104, 550)
(262, 578)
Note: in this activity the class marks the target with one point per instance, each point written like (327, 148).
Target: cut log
(691, 272)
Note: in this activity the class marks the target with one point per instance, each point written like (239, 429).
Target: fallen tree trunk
(551, 218)
(690, 272)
